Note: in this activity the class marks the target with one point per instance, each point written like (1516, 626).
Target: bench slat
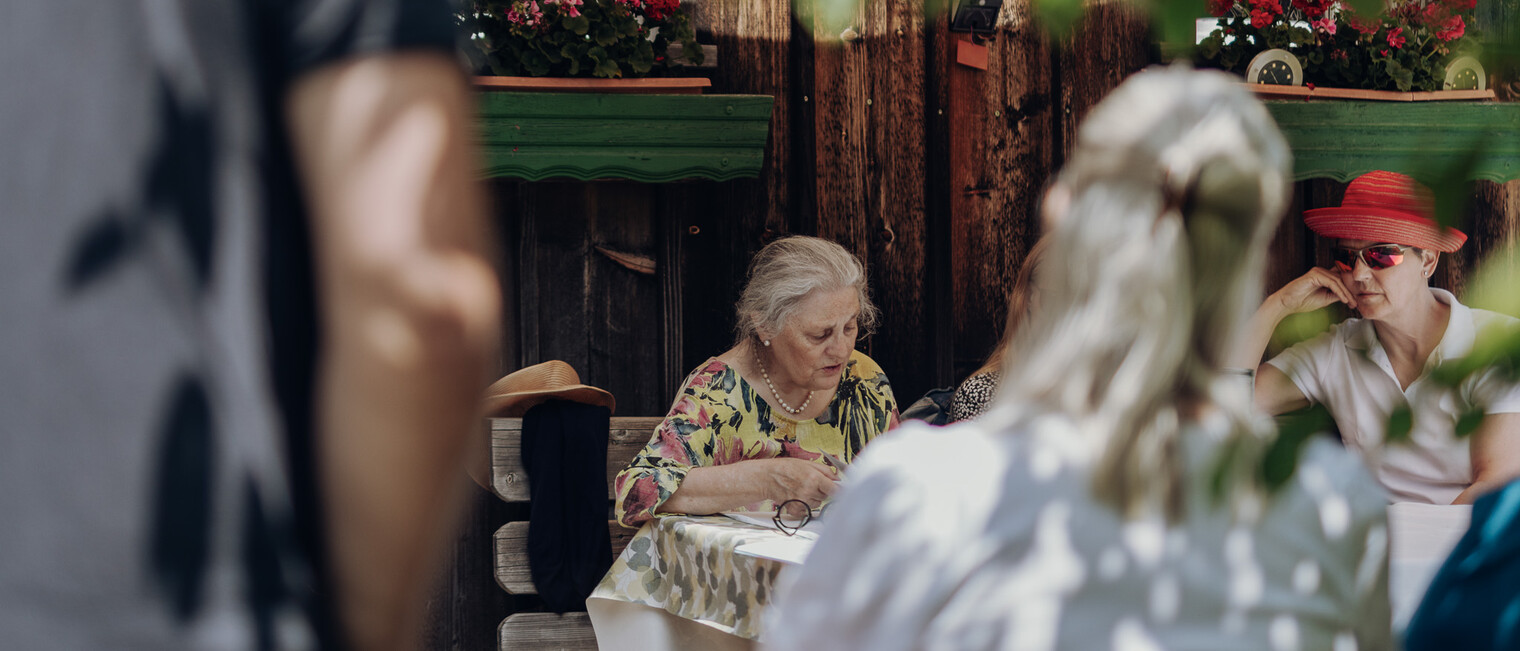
(512, 554)
(546, 632)
(627, 436)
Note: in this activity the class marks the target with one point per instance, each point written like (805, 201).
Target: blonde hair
(786, 272)
(1176, 183)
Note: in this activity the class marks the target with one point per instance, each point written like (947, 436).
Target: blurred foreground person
(156, 153)
(1387, 244)
(1081, 512)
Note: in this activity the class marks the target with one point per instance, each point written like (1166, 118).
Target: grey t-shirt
(145, 497)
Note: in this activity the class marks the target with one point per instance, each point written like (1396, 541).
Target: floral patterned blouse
(718, 418)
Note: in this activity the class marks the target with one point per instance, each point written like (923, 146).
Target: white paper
(792, 551)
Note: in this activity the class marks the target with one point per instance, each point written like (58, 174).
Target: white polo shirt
(1347, 370)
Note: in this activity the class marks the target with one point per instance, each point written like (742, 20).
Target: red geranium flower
(1453, 28)
(1220, 7)
(1395, 37)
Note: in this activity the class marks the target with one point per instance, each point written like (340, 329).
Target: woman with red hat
(1364, 369)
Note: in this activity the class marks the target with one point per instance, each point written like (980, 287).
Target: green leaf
(1400, 423)
(1176, 22)
(1366, 7)
(607, 69)
(577, 25)
(629, 27)
(1403, 77)
(1469, 423)
(1293, 431)
(1058, 17)
(603, 34)
(692, 51)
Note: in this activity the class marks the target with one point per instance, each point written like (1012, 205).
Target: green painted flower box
(1342, 139)
(649, 138)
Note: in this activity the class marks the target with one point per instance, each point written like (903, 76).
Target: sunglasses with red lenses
(1377, 256)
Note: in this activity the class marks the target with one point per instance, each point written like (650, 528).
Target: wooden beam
(627, 437)
(511, 544)
(547, 632)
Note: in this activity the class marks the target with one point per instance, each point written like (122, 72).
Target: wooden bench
(570, 631)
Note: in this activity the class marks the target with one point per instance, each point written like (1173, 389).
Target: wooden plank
(841, 131)
(623, 311)
(1110, 43)
(465, 604)
(868, 178)
(670, 230)
(1272, 91)
(646, 85)
(938, 222)
(1345, 139)
(894, 189)
(722, 225)
(627, 437)
(547, 632)
(555, 216)
(1001, 156)
(650, 138)
(511, 545)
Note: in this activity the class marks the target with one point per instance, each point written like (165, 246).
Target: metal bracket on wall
(975, 16)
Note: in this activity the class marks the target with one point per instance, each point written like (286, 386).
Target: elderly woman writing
(750, 427)
(1386, 248)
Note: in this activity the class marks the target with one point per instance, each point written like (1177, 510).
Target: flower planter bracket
(649, 138)
(1345, 139)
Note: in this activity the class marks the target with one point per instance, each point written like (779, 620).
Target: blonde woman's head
(1158, 228)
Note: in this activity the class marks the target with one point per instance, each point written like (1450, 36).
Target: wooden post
(999, 128)
(868, 169)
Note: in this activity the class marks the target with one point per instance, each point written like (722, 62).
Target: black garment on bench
(564, 450)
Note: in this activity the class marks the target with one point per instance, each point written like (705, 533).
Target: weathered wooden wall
(928, 170)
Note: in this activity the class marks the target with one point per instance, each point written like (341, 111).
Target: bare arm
(1495, 450)
(410, 315)
(712, 489)
(1275, 393)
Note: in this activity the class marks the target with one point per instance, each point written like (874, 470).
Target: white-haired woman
(750, 427)
(1079, 513)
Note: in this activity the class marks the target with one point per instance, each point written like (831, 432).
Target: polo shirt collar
(1460, 331)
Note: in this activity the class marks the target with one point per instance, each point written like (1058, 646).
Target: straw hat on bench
(513, 395)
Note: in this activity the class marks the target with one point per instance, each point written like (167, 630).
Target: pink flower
(1324, 25)
(1384, 51)
(1394, 37)
(1453, 28)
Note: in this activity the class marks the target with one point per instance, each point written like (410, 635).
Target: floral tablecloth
(686, 565)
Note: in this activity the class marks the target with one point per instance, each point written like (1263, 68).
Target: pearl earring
(767, 343)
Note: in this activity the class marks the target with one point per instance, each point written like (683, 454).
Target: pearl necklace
(776, 394)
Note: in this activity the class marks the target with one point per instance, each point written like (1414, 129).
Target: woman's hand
(714, 489)
(787, 478)
(1312, 291)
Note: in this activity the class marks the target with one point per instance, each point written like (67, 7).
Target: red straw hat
(1386, 207)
